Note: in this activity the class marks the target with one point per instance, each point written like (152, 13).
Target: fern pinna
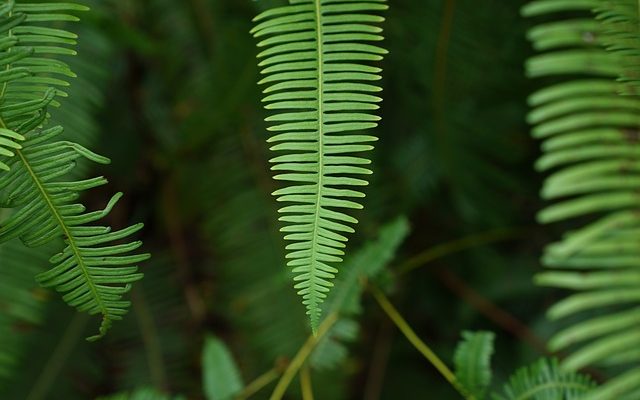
(91, 271)
(589, 123)
(316, 68)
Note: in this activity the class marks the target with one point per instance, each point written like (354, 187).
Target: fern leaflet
(315, 66)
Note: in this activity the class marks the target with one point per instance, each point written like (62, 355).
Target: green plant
(93, 274)
(317, 72)
(588, 121)
(167, 90)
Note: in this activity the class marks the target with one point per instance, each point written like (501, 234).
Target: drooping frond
(472, 360)
(589, 122)
(92, 271)
(544, 380)
(320, 88)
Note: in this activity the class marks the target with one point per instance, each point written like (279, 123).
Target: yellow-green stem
(306, 386)
(259, 383)
(301, 357)
(421, 346)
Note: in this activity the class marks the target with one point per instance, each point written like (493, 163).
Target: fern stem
(259, 383)
(305, 383)
(444, 249)
(302, 355)
(421, 346)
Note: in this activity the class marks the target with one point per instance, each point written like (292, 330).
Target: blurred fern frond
(472, 360)
(93, 274)
(315, 66)
(220, 375)
(590, 126)
(545, 380)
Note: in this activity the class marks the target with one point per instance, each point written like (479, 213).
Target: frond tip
(95, 277)
(315, 66)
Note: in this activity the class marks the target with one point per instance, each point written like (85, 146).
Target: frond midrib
(56, 214)
(320, 109)
(65, 229)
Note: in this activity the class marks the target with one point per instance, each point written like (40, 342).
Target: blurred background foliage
(167, 89)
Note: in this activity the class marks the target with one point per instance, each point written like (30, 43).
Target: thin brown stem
(486, 307)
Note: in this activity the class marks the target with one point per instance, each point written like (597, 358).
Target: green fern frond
(544, 380)
(93, 273)
(319, 85)
(590, 123)
(220, 375)
(472, 360)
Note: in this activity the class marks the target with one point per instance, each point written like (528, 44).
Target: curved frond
(589, 122)
(472, 360)
(92, 271)
(319, 85)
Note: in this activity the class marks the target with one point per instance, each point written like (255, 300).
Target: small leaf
(220, 374)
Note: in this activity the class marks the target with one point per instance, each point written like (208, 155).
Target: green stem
(300, 358)
(305, 383)
(421, 346)
(259, 383)
(442, 250)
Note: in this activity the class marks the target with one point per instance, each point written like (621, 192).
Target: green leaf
(220, 374)
(92, 271)
(589, 122)
(318, 78)
(472, 360)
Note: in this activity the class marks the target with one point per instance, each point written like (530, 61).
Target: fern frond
(93, 272)
(590, 124)
(220, 375)
(544, 380)
(472, 361)
(319, 85)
